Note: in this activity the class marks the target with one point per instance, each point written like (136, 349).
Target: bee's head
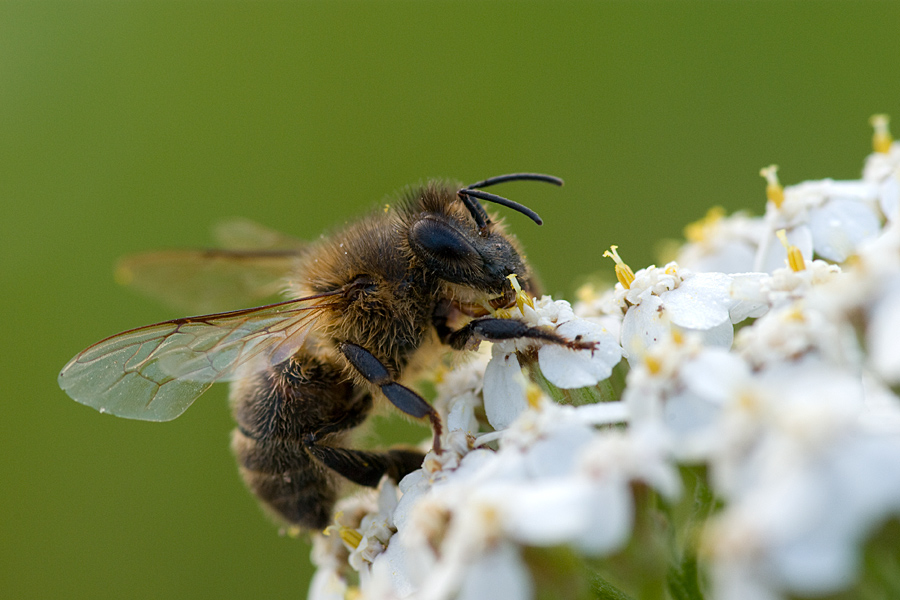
(457, 242)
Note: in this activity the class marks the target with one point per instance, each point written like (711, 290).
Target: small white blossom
(706, 304)
(772, 255)
(505, 386)
(376, 528)
(795, 330)
(883, 170)
(830, 218)
(883, 331)
(722, 244)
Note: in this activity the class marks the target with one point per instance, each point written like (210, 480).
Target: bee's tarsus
(492, 329)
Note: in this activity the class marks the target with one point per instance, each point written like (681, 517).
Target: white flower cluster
(793, 421)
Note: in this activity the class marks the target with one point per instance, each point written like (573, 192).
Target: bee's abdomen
(276, 410)
(286, 480)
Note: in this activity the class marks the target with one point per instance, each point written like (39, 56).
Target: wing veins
(170, 363)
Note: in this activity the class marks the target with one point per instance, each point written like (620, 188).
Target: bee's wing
(154, 373)
(250, 267)
(204, 281)
(244, 234)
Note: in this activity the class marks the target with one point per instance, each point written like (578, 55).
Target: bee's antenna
(503, 202)
(515, 177)
(468, 193)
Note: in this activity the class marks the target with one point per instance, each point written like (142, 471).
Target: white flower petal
(643, 326)
(692, 421)
(715, 374)
(326, 584)
(731, 257)
(840, 226)
(748, 299)
(504, 390)
(721, 335)
(611, 519)
(604, 413)
(569, 369)
(392, 572)
(889, 197)
(556, 454)
(883, 336)
(500, 574)
(549, 511)
(700, 302)
(772, 254)
(815, 566)
(461, 413)
(882, 411)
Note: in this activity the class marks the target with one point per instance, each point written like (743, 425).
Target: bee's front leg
(492, 329)
(372, 369)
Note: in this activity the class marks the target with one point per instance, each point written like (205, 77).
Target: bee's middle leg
(372, 369)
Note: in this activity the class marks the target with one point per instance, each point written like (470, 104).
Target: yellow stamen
(677, 337)
(293, 531)
(653, 364)
(881, 138)
(353, 593)
(351, 537)
(794, 256)
(522, 297)
(701, 229)
(795, 314)
(774, 191)
(623, 272)
(387, 207)
(586, 293)
(748, 402)
(533, 395)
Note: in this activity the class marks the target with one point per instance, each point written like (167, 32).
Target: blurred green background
(128, 126)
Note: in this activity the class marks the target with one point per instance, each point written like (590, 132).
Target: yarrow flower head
(724, 426)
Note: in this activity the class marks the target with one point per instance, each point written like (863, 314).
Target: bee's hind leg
(360, 466)
(372, 369)
(366, 468)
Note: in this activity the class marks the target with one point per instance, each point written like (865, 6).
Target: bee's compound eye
(441, 241)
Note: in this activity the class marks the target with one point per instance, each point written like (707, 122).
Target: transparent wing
(249, 268)
(244, 234)
(154, 373)
(205, 281)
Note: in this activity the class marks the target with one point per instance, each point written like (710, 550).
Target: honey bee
(366, 302)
